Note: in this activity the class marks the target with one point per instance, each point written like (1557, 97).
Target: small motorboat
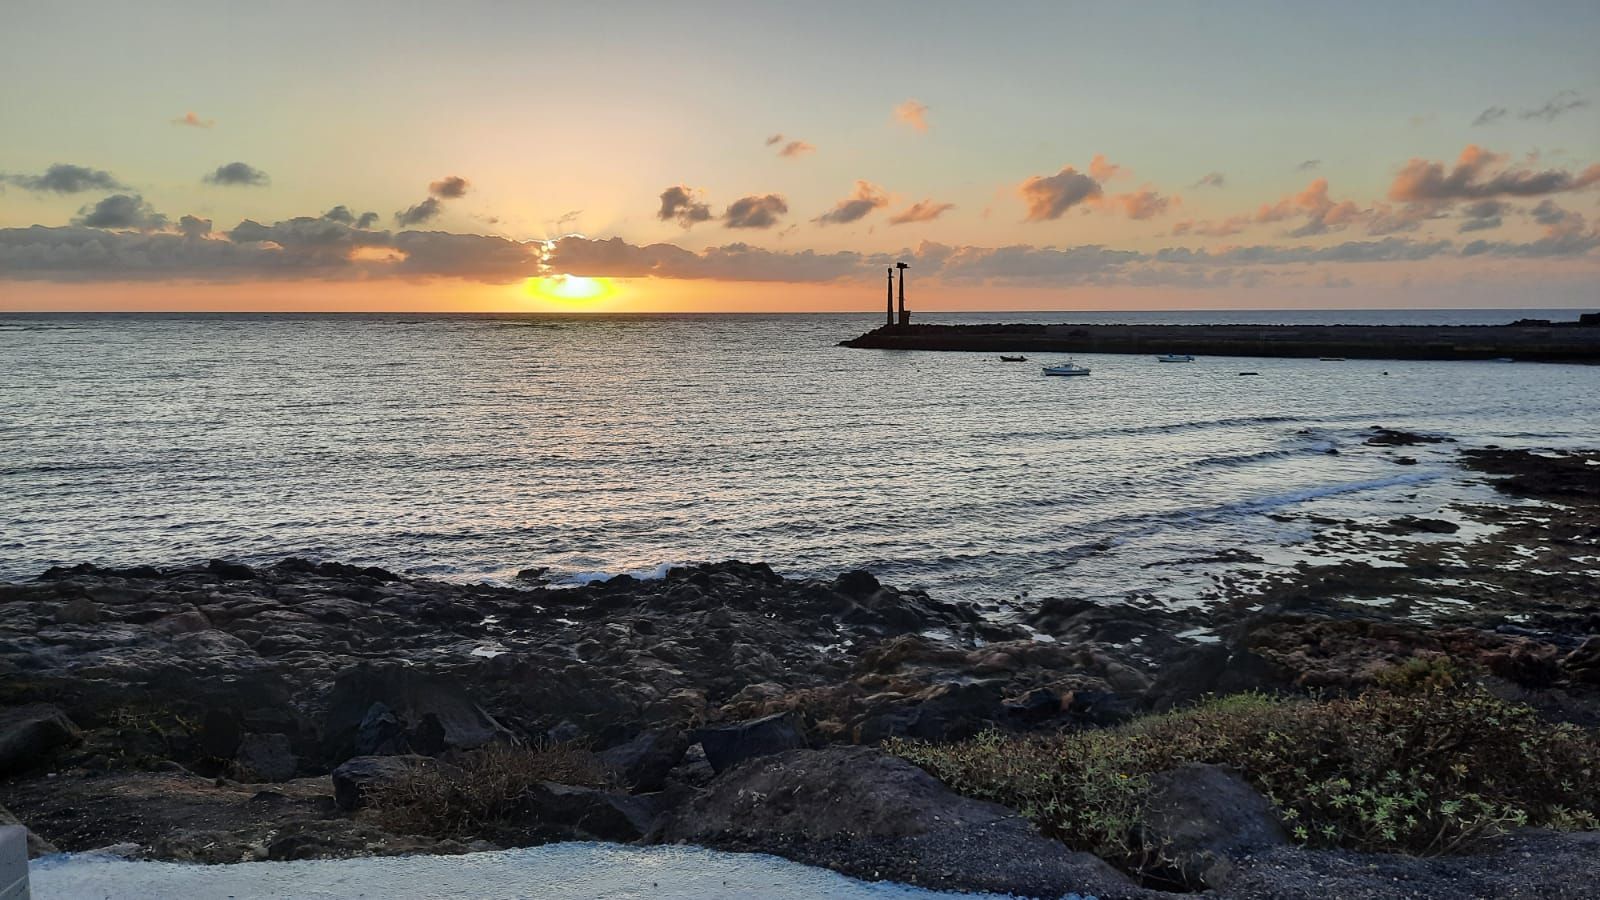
(1249, 373)
(1004, 358)
(1332, 359)
(1175, 357)
(1066, 368)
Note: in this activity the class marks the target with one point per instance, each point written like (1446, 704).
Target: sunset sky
(753, 156)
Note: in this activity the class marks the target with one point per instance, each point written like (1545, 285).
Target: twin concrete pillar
(905, 316)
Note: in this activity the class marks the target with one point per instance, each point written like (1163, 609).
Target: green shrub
(1421, 773)
(1420, 674)
(480, 794)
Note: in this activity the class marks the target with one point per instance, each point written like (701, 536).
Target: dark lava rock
(642, 764)
(1416, 525)
(410, 695)
(1209, 669)
(81, 611)
(267, 757)
(591, 813)
(857, 583)
(870, 815)
(30, 734)
(230, 571)
(940, 713)
(381, 733)
(1583, 664)
(1528, 863)
(37, 846)
(728, 745)
(1389, 437)
(355, 777)
(1202, 817)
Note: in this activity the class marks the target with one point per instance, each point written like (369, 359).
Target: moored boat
(1004, 358)
(1066, 368)
(1175, 357)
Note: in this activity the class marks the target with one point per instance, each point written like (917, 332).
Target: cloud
(867, 197)
(796, 148)
(238, 173)
(194, 227)
(913, 114)
(323, 247)
(1548, 213)
(450, 187)
(120, 211)
(1490, 116)
(922, 211)
(344, 216)
(1386, 250)
(1483, 215)
(1212, 179)
(1141, 204)
(679, 204)
(425, 211)
(755, 211)
(1048, 197)
(1479, 175)
(1563, 102)
(191, 120)
(64, 178)
(1103, 170)
(299, 248)
(1308, 165)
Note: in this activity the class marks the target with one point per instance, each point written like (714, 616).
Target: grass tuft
(482, 793)
(1424, 771)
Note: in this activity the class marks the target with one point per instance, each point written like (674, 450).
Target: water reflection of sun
(571, 290)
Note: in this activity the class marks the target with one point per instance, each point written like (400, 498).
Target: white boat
(1175, 357)
(1066, 368)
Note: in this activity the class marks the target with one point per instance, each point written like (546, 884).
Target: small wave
(655, 574)
(1290, 498)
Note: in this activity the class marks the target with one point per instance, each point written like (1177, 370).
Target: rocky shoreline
(224, 713)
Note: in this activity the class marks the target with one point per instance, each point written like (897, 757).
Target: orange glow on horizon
(571, 290)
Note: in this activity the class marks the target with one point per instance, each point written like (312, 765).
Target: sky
(770, 157)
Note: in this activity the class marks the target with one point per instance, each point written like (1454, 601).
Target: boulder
(381, 733)
(30, 734)
(1202, 818)
(267, 757)
(591, 813)
(642, 764)
(1583, 664)
(1209, 669)
(410, 695)
(728, 745)
(355, 778)
(230, 571)
(81, 611)
(943, 712)
(871, 815)
(37, 846)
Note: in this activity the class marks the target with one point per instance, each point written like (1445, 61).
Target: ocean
(469, 447)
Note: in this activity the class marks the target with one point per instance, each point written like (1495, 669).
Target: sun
(571, 289)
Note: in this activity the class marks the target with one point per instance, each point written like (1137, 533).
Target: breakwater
(1573, 342)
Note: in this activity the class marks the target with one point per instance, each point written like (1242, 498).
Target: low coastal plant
(1422, 772)
(480, 793)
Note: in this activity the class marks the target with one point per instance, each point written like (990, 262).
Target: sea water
(468, 447)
